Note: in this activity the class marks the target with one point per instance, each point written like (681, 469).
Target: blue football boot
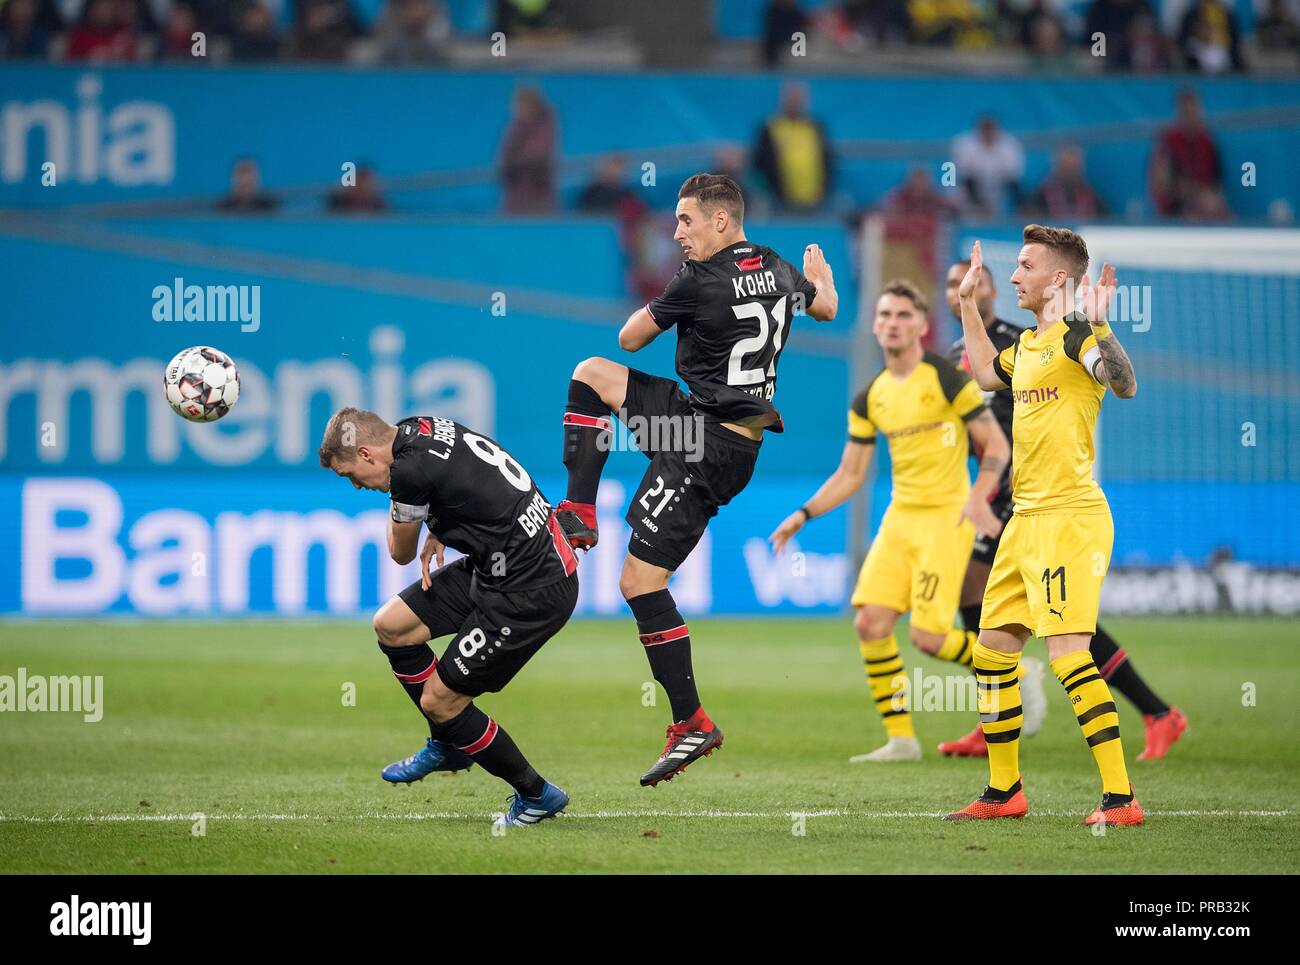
(433, 756)
(529, 810)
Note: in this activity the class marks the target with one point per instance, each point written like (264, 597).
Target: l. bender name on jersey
(441, 430)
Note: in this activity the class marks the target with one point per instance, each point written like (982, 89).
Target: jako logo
(134, 144)
(211, 303)
(132, 918)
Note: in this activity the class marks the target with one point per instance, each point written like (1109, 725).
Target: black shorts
(695, 467)
(496, 632)
(987, 547)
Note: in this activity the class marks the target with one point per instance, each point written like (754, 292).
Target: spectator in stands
(781, 21)
(254, 37)
(246, 195)
(521, 16)
(1277, 30)
(990, 163)
(1065, 195)
(1209, 38)
(609, 191)
(1044, 37)
(27, 27)
(918, 197)
(1114, 20)
(178, 35)
(324, 30)
(1185, 167)
(528, 155)
(950, 23)
(103, 34)
(1150, 51)
(880, 22)
(793, 154)
(363, 197)
(413, 32)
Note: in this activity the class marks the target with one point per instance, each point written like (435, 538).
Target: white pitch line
(581, 816)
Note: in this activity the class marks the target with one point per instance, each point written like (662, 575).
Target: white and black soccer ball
(202, 384)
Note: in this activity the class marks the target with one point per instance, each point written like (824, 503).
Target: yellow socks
(958, 646)
(888, 682)
(1094, 707)
(997, 682)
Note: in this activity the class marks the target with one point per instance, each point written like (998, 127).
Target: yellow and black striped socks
(997, 683)
(1094, 708)
(888, 680)
(958, 646)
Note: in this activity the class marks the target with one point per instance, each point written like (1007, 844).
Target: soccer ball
(202, 384)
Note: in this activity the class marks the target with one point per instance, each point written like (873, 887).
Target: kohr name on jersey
(754, 283)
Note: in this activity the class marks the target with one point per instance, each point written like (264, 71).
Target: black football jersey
(733, 314)
(1002, 334)
(479, 500)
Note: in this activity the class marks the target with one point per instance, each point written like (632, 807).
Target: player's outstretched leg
(886, 677)
(1094, 708)
(463, 725)
(412, 665)
(667, 643)
(1164, 724)
(997, 682)
(597, 388)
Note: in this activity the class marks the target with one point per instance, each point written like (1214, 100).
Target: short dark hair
(1064, 243)
(907, 289)
(714, 191)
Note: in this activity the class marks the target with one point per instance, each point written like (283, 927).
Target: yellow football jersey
(1056, 407)
(923, 416)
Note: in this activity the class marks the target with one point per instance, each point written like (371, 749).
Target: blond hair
(1064, 243)
(347, 429)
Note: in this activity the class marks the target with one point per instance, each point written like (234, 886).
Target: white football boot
(895, 749)
(1032, 699)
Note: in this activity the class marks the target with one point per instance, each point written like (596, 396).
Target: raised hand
(814, 264)
(971, 282)
(1094, 302)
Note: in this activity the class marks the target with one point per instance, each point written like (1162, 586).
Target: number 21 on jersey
(770, 330)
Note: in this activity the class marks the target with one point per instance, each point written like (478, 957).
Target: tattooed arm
(1113, 369)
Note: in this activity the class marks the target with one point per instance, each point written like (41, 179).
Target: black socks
(412, 666)
(587, 430)
(479, 736)
(667, 643)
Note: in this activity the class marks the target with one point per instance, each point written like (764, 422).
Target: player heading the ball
(513, 590)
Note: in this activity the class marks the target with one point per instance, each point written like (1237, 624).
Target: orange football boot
(1161, 733)
(972, 745)
(1010, 803)
(1125, 814)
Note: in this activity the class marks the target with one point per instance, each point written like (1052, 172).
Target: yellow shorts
(917, 562)
(1048, 572)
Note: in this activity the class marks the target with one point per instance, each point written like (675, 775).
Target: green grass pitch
(245, 723)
